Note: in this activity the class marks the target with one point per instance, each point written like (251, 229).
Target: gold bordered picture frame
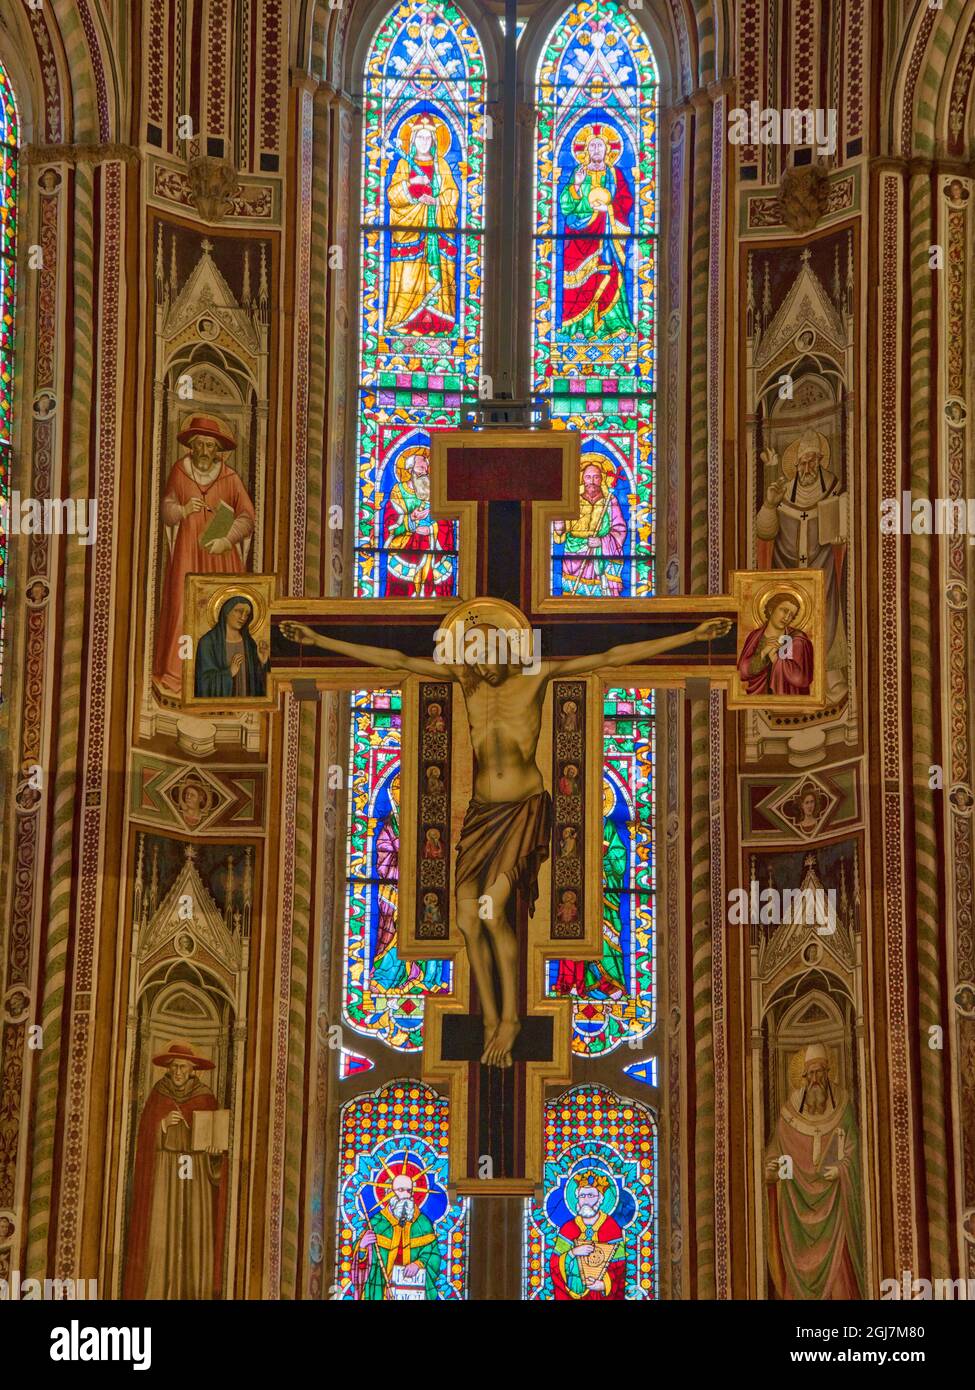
(752, 592)
(206, 597)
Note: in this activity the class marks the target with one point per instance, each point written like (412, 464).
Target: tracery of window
(9, 139)
(593, 353)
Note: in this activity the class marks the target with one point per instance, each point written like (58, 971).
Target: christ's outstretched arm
(632, 653)
(387, 658)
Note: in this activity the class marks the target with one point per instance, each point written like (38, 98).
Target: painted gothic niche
(208, 452)
(184, 1067)
(810, 1064)
(800, 406)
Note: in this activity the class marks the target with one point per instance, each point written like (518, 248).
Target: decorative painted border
(30, 844)
(433, 812)
(892, 662)
(955, 219)
(569, 811)
(96, 725)
(716, 712)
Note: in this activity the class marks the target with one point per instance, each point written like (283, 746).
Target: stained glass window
(613, 997)
(383, 994)
(422, 227)
(593, 339)
(593, 336)
(9, 136)
(598, 1189)
(399, 1235)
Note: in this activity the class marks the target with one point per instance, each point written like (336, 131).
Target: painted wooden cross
(502, 692)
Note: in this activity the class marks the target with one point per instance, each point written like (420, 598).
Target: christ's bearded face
(817, 1094)
(488, 642)
(597, 152)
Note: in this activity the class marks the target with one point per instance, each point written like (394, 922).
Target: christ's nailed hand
(713, 628)
(297, 632)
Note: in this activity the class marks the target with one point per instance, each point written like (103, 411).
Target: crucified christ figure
(507, 828)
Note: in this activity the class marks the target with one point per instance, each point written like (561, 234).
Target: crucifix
(502, 756)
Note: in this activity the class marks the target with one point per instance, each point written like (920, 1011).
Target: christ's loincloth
(504, 837)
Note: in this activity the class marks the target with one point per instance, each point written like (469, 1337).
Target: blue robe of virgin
(212, 678)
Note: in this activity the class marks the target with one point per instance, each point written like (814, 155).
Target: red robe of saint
(606, 1233)
(163, 1099)
(189, 556)
(790, 675)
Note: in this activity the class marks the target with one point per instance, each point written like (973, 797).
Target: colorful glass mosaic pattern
(383, 994)
(613, 998)
(401, 1131)
(645, 1071)
(352, 1063)
(9, 141)
(422, 228)
(594, 329)
(599, 1183)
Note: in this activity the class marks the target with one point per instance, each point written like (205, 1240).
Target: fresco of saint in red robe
(174, 1246)
(199, 491)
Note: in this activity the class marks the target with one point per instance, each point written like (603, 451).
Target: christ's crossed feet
(499, 1039)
